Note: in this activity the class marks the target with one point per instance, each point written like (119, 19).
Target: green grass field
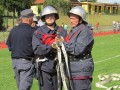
(105, 49)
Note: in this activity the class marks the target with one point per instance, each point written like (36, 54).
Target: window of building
(108, 9)
(114, 9)
(95, 8)
(99, 9)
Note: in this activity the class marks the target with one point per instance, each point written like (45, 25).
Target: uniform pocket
(75, 66)
(49, 66)
(78, 67)
(24, 65)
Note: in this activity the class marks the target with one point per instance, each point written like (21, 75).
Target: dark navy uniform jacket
(20, 41)
(78, 46)
(46, 50)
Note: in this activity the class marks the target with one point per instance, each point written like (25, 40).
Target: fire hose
(104, 79)
(67, 83)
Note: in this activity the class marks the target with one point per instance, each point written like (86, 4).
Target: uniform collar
(24, 24)
(77, 28)
(49, 30)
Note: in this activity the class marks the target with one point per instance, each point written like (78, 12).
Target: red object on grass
(3, 45)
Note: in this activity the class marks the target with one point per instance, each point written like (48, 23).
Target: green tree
(62, 6)
(1, 17)
(16, 5)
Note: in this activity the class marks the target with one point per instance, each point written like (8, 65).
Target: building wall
(119, 10)
(92, 9)
(111, 9)
(85, 7)
(101, 8)
(37, 9)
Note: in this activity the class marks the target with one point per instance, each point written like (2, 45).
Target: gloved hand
(59, 39)
(54, 45)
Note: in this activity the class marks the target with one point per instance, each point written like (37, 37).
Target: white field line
(107, 59)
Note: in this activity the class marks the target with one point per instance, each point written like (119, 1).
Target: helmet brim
(43, 17)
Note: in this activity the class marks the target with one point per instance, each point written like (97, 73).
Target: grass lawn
(104, 48)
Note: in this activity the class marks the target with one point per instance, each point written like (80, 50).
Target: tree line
(18, 5)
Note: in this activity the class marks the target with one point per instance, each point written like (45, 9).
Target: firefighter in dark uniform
(78, 46)
(20, 44)
(43, 46)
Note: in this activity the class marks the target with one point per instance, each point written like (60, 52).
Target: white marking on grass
(107, 59)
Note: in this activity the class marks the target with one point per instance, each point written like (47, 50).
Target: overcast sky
(109, 1)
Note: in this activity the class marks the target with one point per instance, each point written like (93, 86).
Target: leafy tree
(16, 5)
(1, 17)
(1, 10)
(62, 6)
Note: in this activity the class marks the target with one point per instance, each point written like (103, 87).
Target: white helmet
(78, 10)
(49, 10)
(35, 18)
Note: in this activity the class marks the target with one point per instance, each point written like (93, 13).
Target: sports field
(106, 54)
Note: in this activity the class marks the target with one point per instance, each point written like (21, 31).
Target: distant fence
(102, 28)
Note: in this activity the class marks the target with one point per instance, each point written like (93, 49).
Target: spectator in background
(35, 22)
(97, 26)
(118, 26)
(114, 26)
(40, 22)
(65, 26)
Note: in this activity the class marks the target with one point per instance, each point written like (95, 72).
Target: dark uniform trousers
(49, 81)
(24, 72)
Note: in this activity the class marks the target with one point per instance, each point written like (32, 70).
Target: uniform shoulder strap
(60, 29)
(39, 32)
(76, 33)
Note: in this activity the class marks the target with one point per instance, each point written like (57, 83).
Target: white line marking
(107, 59)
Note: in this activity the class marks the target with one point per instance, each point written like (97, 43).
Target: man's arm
(8, 43)
(38, 47)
